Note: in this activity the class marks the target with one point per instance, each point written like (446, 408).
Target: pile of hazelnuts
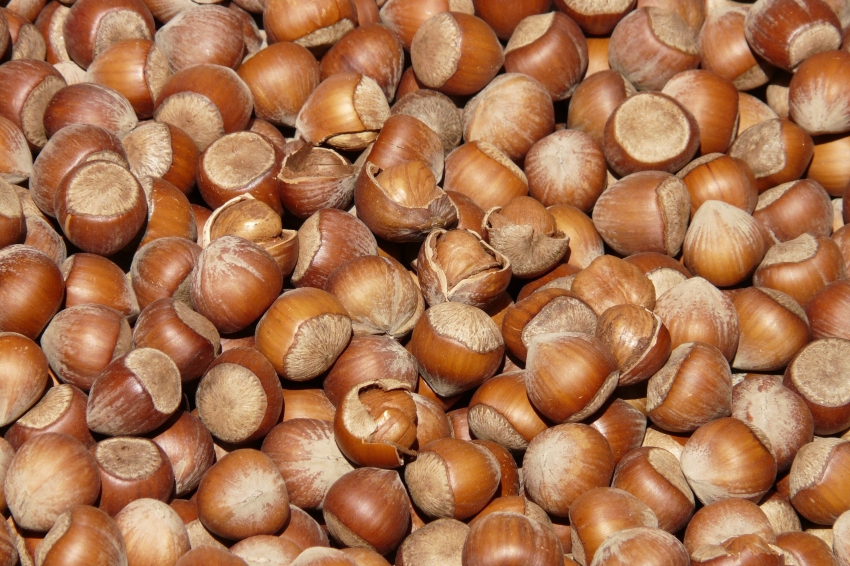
(424, 282)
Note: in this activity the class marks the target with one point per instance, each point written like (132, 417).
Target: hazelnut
(644, 212)
(368, 507)
(303, 332)
(49, 474)
(457, 346)
(728, 458)
(654, 476)
(242, 495)
(455, 53)
(452, 478)
(563, 462)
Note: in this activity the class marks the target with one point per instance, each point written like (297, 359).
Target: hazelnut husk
(402, 203)
(526, 233)
(457, 265)
(375, 423)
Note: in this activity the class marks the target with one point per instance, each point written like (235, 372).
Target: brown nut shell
(728, 458)
(368, 507)
(457, 346)
(403, 202)
(303, 332)
(377, 431)
(459, 266)
(575, 386)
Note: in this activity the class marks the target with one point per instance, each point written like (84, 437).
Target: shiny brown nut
(601, 512)
(457, 347)
(239, 397)
(136, 68)
(308, 458)
(303, 332)
(595, 99)
(85, 532)
(159, 149)
(760, 312)
(696, 311)
(134, 394)
(368, 507)
(81, 340)
(801, 267)
(455, 53)
(609, 281)
(500, 411)
(692, 389)
(131, 468)
(544, 311)
(202, 34)
(89, 103)
(777, 151)
(31, 86)
(654, 476)
(152, 531)
(779, 412)
(281, 77)
(813, 374)
(650, 131)
(723, 244)
(240, 163)
(206, 101)
(651, 45)
(728, 458)
(315, 26)
(552, 49)
(188, 445)
(644, 212)
(440, 484)
(162, 269)
(31, 290)
(185, 336)
(662, 271)
(346, 111)
(406, 138)
(803, 29)
(724, 48)
(498, 535)
(62, 409)
(106, 221)
(235, 281)
(169, 212)
(243, 495)
(720, 177)
(93, 279)
(49, 474)
(370, 49)
(638, 340)
(713, 101)
(494, 116)
(563, 462)
(818, 469)
(437, 111)
(566, 167)
(485, 174)
(16, 158)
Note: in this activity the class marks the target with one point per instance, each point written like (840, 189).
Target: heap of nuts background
(424, 282)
